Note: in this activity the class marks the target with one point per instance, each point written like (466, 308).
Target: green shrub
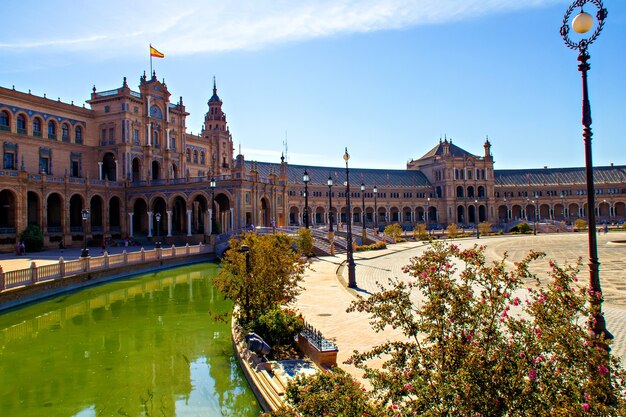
(32, 237)
(523, 227)
(580, 224)
(373, 246)
(278, 326)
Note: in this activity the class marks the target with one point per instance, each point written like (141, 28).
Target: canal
(151, 345)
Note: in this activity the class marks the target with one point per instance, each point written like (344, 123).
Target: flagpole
(150, 53)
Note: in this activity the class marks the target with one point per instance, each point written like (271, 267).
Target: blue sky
(385, 78)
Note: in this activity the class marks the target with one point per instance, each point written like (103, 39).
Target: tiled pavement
(325, 298)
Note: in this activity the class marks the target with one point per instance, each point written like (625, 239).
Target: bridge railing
(62, 269)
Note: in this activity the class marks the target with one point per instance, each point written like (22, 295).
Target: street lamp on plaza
(350, 260)
(212, 185)
(477, 222)
(363, 231)
(534, 217)
(581, 24)
(305, 179)
(84, 214)
(158, 221)
(375, 191)
(506, 211)
(330, 203)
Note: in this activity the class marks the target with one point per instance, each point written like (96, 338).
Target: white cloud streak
(182, 28)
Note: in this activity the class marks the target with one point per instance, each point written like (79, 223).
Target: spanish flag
(155, 53)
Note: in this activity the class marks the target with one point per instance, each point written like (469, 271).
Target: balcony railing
(35, 274)
(5, 128)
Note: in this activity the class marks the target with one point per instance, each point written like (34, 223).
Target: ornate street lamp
(581, 24)
(84, 214)
(363, 231)
(351, 265)
(506, 211)
(330, 204)
(375, 191)
(305, 179)
(212, 185)
(477, 219)
(158, 220)
(534, 217)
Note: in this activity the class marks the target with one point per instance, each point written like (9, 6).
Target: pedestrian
(104, 246)
(18, 249)
(22, 248)
(606, 228)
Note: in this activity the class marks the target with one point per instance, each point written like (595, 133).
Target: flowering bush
(478, 342)
(326, 394)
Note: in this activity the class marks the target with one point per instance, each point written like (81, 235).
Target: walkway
(325, 299)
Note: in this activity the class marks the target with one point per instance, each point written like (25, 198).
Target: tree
(270, 276)
(32, 238)
(484, 228)
(333, 393)
(304, 241)
(472, 347)
(452, 230)
(420, 232)
(393, 230)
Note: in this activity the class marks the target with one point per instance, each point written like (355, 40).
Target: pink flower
(516, 301)
(603, 369)
(532, 374)
(408, 386)
(558, 288)
(586, 407)
(504, 314)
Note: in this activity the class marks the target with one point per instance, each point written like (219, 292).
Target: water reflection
(142, 347)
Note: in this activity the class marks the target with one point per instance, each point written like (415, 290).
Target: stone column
(169, 223)
(208, 224)
(232, 217)
(100, 170)
(130, 224)
(117, 173)
(189, 211)
(149, 224)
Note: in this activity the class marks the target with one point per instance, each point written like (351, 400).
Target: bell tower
(215, 131)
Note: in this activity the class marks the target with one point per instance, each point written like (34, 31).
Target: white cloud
(189, 27)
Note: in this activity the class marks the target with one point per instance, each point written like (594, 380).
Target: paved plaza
(325, 298)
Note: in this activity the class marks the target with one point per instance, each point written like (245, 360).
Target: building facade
(129, 160)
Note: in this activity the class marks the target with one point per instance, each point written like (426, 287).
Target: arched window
(202, 158)
(21, 124)
(52, 130)
(188, 153)
(78, 135)
(65, 132)
(37, 127)
(195, 157)
(459, 191)
(157, 144)
(4, 120)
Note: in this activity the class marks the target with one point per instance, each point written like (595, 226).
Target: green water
(146, 346)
